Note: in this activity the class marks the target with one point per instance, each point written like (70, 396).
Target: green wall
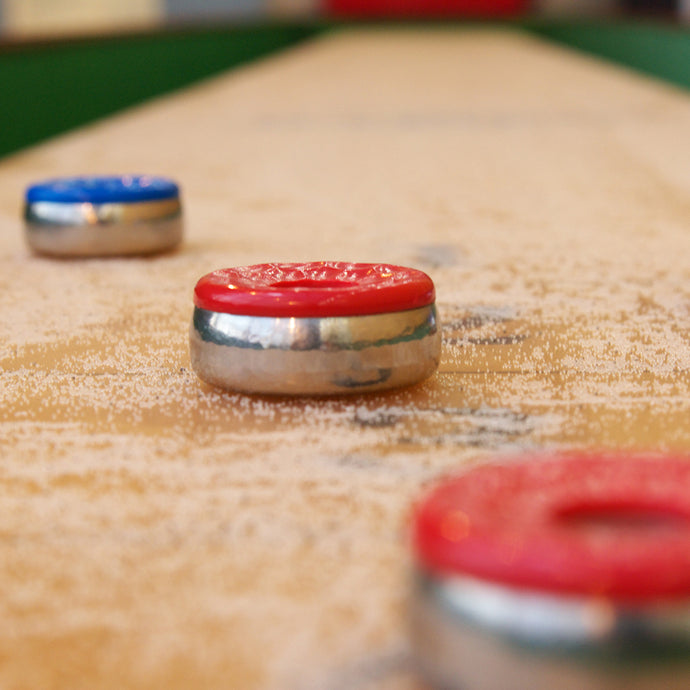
(660, 50)
(52, 87)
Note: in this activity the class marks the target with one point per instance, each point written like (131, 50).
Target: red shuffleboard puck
(316, 328)
(571, 572)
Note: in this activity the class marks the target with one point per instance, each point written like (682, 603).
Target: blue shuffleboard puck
(112, 215)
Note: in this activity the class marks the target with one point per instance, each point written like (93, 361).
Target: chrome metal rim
(85, 229)
(315, 356)
(469, 634)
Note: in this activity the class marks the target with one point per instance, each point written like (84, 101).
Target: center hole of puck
(622, 517)
(313, 284)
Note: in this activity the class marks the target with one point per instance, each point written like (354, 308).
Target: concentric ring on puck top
(103, 215)
(569, 572)
(316, 328)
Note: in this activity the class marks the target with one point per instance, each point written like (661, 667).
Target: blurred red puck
(425, 8)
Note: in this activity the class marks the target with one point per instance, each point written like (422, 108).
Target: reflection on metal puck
(570, 573)
(103, 216)
(319, 328)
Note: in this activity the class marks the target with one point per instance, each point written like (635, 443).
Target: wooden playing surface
(157, 533)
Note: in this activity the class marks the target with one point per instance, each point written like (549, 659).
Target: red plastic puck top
(315, 289)
(584, 525)
(425, 8)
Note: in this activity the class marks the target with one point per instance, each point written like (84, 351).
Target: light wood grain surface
(157, 533)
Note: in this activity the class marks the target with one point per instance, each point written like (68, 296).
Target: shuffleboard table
(157, 532)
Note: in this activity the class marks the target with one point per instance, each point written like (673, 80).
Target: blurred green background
(51, 86)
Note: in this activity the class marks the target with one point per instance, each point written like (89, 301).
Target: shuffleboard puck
(569, 573)
(317, 328)
(103, 216)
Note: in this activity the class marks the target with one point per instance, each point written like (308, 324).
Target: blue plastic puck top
(103, 189)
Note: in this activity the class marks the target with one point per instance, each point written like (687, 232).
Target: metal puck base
(109, 229)
(330, 355)
(469, 634)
